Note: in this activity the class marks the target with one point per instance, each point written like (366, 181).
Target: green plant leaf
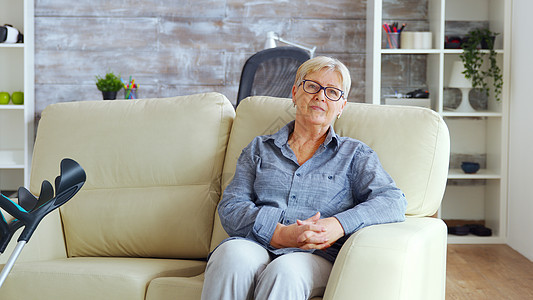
(473, 60)
(109, 83)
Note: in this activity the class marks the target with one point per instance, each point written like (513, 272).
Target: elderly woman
(297, 195)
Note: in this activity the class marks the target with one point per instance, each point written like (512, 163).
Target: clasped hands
(313, 233)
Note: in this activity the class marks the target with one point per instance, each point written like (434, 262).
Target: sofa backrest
(412, 144)
(153, 172)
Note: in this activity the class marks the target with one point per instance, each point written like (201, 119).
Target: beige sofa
(145, 220)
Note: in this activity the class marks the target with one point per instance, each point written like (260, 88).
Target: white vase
(465, 103)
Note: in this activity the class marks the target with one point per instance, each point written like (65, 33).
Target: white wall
(520, 201)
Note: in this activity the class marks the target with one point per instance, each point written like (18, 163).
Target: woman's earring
(338, 116)
(294, 104)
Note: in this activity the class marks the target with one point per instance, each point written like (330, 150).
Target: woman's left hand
(333, 231)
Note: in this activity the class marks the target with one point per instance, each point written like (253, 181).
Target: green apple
(17, 98)
(4, 97)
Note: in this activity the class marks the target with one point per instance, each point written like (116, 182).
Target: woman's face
(316, 109)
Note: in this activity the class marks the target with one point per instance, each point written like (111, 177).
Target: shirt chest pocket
(328, 193)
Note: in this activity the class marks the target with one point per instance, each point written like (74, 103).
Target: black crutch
(30, 210)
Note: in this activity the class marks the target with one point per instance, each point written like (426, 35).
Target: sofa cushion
(413, 145)
(93, 278)
(153, 172)
(189, 288)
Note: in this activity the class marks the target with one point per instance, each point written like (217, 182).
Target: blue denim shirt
(344, 179)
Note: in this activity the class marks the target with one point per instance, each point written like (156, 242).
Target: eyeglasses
(312, 87)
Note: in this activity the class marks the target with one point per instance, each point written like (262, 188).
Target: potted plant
(109, 85)
(473, 60)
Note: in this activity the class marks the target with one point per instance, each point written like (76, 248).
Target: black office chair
(271, 72)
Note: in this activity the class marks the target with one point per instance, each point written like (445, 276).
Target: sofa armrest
(392, 261)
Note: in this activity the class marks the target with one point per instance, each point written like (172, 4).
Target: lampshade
(271, 40)
(457, 78)
(272, 37)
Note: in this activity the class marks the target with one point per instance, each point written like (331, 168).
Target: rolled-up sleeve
(239, 214)
(378, 198)
(265, 223)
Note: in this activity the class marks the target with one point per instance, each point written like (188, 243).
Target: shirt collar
(282, 136)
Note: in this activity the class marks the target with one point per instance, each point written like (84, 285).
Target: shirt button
(330, 177)
(298, 174)
(293, 197)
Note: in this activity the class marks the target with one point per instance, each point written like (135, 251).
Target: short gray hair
(320, 62)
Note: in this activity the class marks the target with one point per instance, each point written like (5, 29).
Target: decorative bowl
(470, 167)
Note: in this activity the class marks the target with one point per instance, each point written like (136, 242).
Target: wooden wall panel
(179, 47)
(96, 34)
(331, 36)
(407, 9)
(213, 34)
(336, 9)
(178, 67)
(131, 8)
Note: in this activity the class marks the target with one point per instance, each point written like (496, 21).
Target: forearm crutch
(30, 210)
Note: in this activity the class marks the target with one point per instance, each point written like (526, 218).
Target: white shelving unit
(468, 197)
(17, 74)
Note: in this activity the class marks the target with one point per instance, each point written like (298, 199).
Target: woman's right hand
(305, 234)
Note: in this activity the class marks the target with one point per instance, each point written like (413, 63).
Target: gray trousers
(241, 269)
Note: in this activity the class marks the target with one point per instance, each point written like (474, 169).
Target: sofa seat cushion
(93, 278)
(169, 288)
(189, 288)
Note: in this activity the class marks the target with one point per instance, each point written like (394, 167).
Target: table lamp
(458, 80)
(272, 37)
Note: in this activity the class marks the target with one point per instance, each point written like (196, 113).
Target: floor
(488, 272)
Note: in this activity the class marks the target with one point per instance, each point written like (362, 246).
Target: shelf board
(481, 174)
(450, 113)
(410, 51)
(18, 45)
(459, 51)
(473, 239)
(11, 107)
(430, 51)
(11, 167)
(11, 159)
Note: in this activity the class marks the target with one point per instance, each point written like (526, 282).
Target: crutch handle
(13, 208)
(69, 183)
